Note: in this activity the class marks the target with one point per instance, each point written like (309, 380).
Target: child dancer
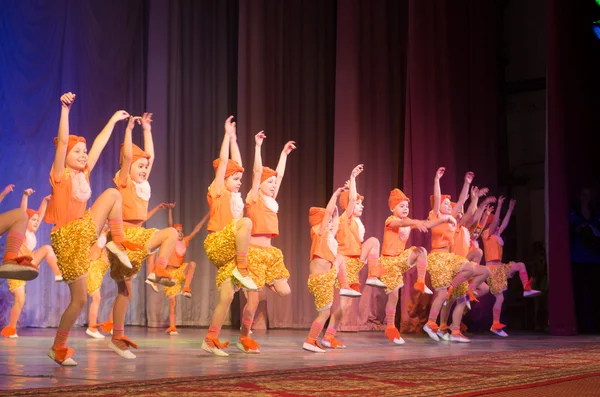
(264, 261)
(182, 273)
(17, 287)
(325, 265)
(228, 234)
(493, 246)
(15, 266)
(132, 183)
(396, 259)
(93, 280)
(447, 270)
(75, 228)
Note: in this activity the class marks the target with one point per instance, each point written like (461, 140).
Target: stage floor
(24, 364)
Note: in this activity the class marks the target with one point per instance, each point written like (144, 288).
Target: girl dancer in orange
(396, 259)
(265, 261)
(326, 265)
(447, 270)
(14, 266)
(228, 234)
(493, 246)
(132, 183)
(98, 267)
(75, 228)
(182, 273)
(17, 287)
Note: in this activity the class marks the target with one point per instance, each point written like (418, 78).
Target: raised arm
(257, 170)
(287, 149)
(234, 149)
(464, 193)
(352, 191)
(25, 198)
(437, 191)
(43, 206)
(154, 210)
(103, 137)
(62, 138)
(496, 220)
(480, 209)
(146, 121)
(171, 206)
(219, 181)
(7, 189)
(506, 220)
(330, 210)
(468, 215)
(199, 226)
(127, 153)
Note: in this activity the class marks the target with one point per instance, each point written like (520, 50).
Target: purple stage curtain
(96, 50)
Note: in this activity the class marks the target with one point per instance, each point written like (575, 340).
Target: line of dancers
(87, 242)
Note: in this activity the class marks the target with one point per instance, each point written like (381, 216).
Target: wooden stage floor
(24, 364)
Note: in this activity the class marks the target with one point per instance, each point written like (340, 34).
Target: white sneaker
(69, 362)
(375, 282)
(246, 281)
(499, 332)
(468, 304)
(173, 333)
(399, 341)
(58, 278)
(349, 292)
(459, 338)
(94, 334)
(241, 347)
(430, 332)
(443, 335)
(312, 348)
(123, 353)
(214, 350)
(327, 344)
(249, 333)
(152, 285)
(120, 254)
(13, 336)
(428, 291)
(531, 293)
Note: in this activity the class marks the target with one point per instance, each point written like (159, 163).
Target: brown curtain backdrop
(192, 76)
(286, 87)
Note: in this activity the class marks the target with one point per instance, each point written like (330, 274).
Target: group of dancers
(87, 242)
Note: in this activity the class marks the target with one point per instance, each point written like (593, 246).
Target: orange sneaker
(106, 326)
(172, 331)
(163, 277)
(355, 287)
(9, 332)
(472, 296)
(332, 343)
(496, 326)
(313, 346)
(248, 345)
(18, 268)
(187, 292)
(393, 336)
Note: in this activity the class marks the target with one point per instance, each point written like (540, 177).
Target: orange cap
(345, 197)
(136, 154)
(442, 198)
(316, 215)
(267, 173)
(232, 167)
(178, 225)
(31, 213)
(396, 197)
(73, 140)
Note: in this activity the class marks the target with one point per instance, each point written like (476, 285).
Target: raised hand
(440, 172)
(339, 190)
(28, 192)
(120, 115)
(146, 121)
(474, 192)
(469, 177)
(501, 200)
(131, 122)
(512, 203)
(230, 128)
(489, 209)
(259, 138)
(8, 189)
(48, 197)
(287, 149)
(490, 199)
(357, 170)
(172, 205)
(483, 191)
(420, 226)
(67, 100)
(163, 206)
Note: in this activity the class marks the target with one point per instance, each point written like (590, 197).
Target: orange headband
(136, 154)
(316, 215)
(345, 197)
(31, 213)
(442, 198)
(267, 173)
(178, 225)
(396, 197)
(232, 167)
(73, 140)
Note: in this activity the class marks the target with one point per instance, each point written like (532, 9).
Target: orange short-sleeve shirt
(319, 247)
(135, 208)
(442, 236)
(347, 237)
(264, 220)
(220, 210)
(176, 259)
(492, 248)
(63, 207)
(462, 241)
(394, 238)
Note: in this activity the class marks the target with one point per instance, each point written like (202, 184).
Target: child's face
(139, 170)
(34, 223)
(358, 209)
(267, 188)
(446, 207)
(179, 232)
(401, 210)
(77, 158)
(234, 182)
